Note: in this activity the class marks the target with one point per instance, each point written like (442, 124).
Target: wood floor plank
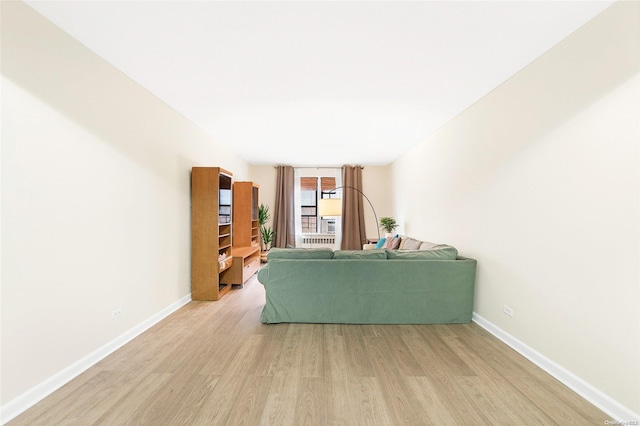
(335, 358)
(495, 353)
(268, 358)
(77, 399)
(280, 407)
(400, 401)
(291, 352)
(173, 401)
(132, 402)
(216, 405)
(562, 405)
(487, 409)
(312, 352)
(213, 356)
(449, 359)
(214, 363)
(401, 355)
(429, 398)
(57, 401)
(244, 360)
(358, 361)
(311, 402)
(336, 375)
(455, 402)
(514, 400)
(332, 329)
(367, 398)
(250, 401)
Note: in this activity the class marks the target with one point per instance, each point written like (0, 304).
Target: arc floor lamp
(333, 206)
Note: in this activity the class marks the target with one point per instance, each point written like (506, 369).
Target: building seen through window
(311, 190)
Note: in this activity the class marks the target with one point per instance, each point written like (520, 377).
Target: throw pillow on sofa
(393, 243)
(409, 243)
(380, 243)
(428, 246)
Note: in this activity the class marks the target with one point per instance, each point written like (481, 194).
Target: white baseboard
(14, 408)
(598, 398)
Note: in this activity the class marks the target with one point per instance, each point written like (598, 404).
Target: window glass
(313, 184)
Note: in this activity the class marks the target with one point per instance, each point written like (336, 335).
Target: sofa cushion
(409, 243)
(360, 254)
(300, 253)
(380, 243)
(445, 253)
(429, 246)
(392, 243)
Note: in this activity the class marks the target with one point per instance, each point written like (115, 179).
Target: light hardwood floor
(214, 363)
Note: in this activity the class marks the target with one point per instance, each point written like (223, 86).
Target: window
(311, 190)
(312, 184)
(309, 204)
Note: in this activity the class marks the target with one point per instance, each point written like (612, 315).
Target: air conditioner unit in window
(328, 226)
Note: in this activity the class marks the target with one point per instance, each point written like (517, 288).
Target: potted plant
(263, 215)
(388, 224)
(267, 237)
(266, 233)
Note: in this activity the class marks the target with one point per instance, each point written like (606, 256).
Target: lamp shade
(330, 207)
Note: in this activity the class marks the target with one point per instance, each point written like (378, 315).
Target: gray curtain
(284, 219)
(353, 230)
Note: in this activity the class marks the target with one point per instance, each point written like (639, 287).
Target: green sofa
(368, 286)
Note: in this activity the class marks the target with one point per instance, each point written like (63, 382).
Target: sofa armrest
(263, 274)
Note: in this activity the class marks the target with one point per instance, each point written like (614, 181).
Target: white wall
(539, 181)
(265, 176)
(377, 184)
(95, 200)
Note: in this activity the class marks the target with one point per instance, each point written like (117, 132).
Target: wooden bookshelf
(246, 242)
(211, 231)
(245, 214)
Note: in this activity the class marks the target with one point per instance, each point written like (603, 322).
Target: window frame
(316, 172)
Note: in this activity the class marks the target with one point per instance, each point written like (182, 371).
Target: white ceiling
(319, 83)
